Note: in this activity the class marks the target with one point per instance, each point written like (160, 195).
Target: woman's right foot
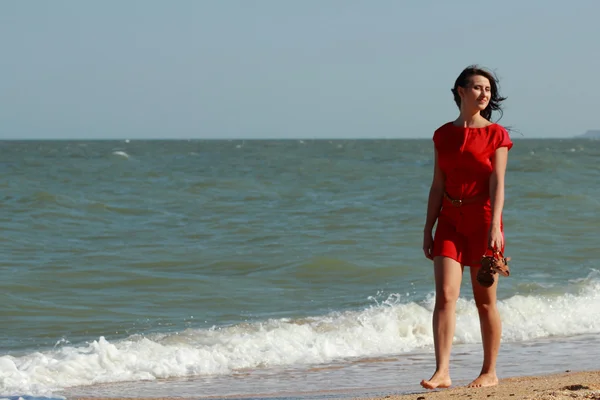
(439, 380)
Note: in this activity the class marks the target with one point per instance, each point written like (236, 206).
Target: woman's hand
(428, 244)
(495, 238)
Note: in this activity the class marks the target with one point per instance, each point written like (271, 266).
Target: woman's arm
(499, 162)
(436, 194)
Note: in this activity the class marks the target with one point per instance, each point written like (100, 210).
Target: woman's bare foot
(439, 380)
(484, 380)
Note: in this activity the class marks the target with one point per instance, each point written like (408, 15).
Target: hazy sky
(290, 69)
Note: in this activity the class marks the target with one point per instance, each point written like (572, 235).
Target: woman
(466, 199)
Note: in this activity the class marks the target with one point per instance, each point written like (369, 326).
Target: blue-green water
(126, 263)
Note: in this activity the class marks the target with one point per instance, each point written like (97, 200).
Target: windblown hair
(464, 79)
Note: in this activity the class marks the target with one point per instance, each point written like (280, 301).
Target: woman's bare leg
(491, 329)
(448, 277)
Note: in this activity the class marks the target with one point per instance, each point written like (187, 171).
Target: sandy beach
(567, 385)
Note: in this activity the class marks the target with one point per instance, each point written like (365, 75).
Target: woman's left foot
(484, 380)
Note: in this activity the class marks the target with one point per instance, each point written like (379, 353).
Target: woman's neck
(471, 120)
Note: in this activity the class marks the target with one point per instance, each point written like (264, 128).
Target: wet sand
(568, 385)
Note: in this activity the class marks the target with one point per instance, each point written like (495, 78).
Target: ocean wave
(394, 326)
(120, 153)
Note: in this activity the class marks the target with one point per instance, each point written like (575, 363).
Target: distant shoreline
(590, 134)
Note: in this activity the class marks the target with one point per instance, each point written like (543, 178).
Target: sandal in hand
(490, 265)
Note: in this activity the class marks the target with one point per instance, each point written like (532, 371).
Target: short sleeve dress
(465, 157)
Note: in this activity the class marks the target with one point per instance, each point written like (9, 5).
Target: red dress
(465, 157)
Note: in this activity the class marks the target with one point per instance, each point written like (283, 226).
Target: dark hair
(495, 100)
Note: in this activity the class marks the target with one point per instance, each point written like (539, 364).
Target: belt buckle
(457, 202)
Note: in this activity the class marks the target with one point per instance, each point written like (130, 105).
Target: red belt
(460, 202)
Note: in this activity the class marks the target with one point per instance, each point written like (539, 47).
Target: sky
(244, 69)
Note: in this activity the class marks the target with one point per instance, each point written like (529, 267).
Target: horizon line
(262, 138)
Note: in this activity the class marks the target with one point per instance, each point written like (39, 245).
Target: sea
(274, 268)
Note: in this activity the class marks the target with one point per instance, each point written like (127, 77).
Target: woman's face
(477, 94)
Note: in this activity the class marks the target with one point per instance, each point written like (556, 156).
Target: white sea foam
(120, 153)
(388, 328)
